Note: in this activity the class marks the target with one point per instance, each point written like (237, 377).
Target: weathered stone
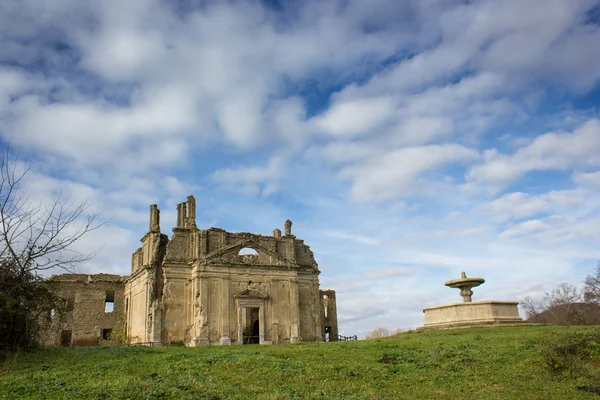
(288, 227)
(87, 320)
(470, 312)
(200, 288)
(465, 285)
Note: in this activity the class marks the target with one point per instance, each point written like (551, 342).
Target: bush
(383, 332)
(571, 354)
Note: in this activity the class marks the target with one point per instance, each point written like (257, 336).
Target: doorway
(328, 334)
(251, 318)
(252, 328)
(65, 338)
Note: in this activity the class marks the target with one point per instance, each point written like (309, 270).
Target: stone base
(197, 342)
(471, 314)
(225, 341)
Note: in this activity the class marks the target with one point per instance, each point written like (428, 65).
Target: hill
(483, 363)
(569, 314)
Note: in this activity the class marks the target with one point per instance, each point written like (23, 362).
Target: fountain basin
(465, 285)
(464, 282)
(471, 314)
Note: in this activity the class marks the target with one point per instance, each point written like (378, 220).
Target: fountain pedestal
(470, 313)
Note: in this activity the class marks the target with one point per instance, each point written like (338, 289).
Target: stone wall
(86, 321)
(211, 284)
(472, 313)
(203, 287)
(330, 326)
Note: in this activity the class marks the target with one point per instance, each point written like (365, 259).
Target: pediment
(251, 294)
(230, 254)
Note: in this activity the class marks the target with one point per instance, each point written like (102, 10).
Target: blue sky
(407, 140)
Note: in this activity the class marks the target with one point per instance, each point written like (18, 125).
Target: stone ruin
(468, 312)
(200, 287)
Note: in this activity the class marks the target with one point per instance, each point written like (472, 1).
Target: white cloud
(254, 180)
(397, 173)
(124, 53)
(591, 179)
(550, 151)
(519, 205)
(386, 272)
(423, 129)
(350, 236)
(525, 228)
(354, 117)
(557, 232)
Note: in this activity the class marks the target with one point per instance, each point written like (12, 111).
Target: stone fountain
(468, 312)
(465, 285)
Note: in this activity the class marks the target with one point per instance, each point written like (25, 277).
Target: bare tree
(561, 306)
(39, 237)
(591, 290)
(383, 332)
(378, 333)
(34, 238)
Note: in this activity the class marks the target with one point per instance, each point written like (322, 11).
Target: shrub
(383, 332)
(571, 354)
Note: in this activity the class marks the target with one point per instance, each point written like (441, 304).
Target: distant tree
(34, 238)
(396, 331)
(382, 332)
(378, 333)
(591, 289)
(561, 306)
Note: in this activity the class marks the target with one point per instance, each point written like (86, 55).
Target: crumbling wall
(144, 308)
(136, 299)
(330, 324)
(215, 239)
(86, 318)
(198, 289)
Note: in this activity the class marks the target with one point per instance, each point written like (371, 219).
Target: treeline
(567, 304)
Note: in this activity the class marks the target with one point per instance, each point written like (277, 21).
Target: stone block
(472, 313)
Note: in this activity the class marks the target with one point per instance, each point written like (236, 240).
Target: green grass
(485, 363)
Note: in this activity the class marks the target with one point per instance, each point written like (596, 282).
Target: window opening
(109, 302)
(248, 251)
(106, 334)
(70, 304)
(65, 338)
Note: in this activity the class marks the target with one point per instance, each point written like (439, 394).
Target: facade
(93, 310)
(206, 287)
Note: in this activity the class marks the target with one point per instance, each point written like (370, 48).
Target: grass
(484, 363)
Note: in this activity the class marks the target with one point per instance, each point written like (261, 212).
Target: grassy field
(485, 363)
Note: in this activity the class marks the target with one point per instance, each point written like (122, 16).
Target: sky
(407, 140)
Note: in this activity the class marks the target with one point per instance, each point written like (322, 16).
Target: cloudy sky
(407, 140)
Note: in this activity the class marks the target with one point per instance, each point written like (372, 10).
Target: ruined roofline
(244, 233)
(88, 278)
(186, 220)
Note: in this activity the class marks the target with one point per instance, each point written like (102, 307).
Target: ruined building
(201, 287)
